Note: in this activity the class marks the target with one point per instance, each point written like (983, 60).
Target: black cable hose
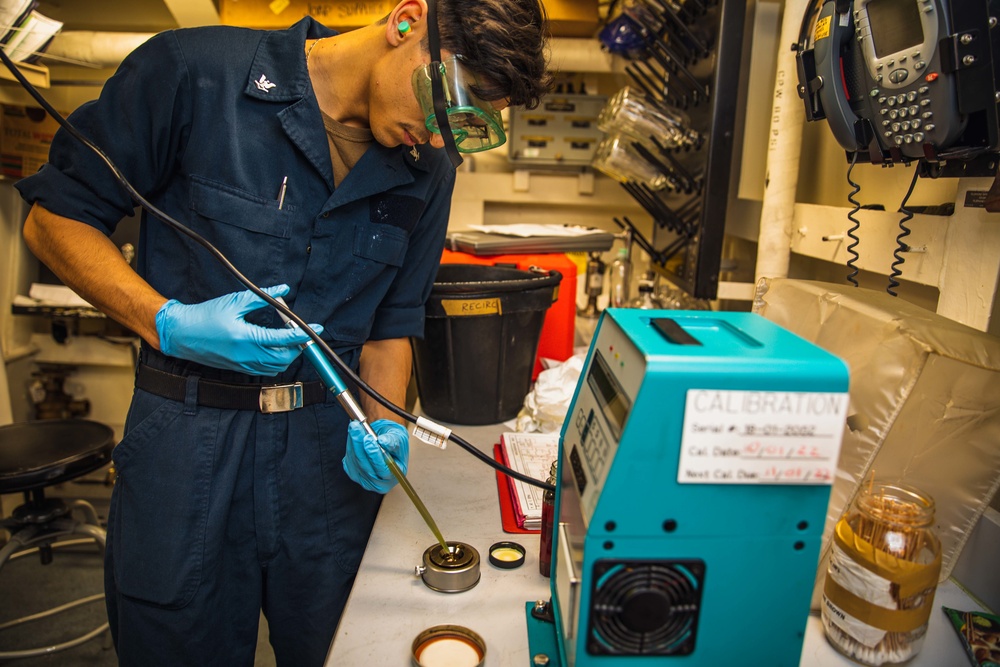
(902, 247)
(852, 216)
(182, 229)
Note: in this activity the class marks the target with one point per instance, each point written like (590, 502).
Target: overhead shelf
(37, 75)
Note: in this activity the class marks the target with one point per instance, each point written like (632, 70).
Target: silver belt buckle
(280, 397)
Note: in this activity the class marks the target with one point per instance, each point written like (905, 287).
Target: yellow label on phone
(822, 28)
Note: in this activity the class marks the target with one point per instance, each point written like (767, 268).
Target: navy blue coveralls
(217, 514)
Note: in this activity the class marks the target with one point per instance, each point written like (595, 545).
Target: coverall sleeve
(139, 121)
(401, 312)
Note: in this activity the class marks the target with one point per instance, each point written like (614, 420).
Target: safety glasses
(475, 124)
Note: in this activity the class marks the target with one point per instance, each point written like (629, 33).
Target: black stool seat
(37, 454)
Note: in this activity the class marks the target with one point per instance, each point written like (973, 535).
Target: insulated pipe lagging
(783, 152)
(101, 49)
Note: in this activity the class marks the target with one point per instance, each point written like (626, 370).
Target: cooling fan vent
(645, 607)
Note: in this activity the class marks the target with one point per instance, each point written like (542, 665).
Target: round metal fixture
(451, 571)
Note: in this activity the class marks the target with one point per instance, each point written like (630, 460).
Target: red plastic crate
(558, 331)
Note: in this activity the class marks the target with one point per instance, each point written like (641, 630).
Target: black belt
(211, 394)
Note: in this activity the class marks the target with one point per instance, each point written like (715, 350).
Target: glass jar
(884, 567)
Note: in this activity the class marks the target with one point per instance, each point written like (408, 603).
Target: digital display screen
(615, 405)
(895, 25)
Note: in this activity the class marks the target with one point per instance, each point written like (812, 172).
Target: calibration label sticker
(471, 307)
(761, 437)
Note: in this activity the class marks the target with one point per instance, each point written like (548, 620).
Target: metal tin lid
(506, 555)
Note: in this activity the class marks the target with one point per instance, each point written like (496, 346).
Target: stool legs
(54, 534)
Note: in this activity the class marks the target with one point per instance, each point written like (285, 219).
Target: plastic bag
(546, 404)
(980, 633)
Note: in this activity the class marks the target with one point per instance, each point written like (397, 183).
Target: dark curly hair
(503, 41)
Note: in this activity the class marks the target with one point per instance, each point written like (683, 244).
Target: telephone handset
(833, 31)
(881, 74)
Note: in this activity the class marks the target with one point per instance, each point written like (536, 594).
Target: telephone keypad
(906, 117)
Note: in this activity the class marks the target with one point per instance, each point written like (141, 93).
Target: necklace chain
(313, 46)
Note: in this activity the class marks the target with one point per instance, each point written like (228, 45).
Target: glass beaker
(616, 158)
(629, 112)
(883, 572)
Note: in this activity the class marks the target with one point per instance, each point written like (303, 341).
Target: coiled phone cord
(902, 247)
(852, 233)
(275, 303)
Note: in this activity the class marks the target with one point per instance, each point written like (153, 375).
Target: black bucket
(473, 365)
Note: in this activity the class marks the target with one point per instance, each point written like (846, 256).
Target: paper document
(30, 36)
(531, 454)
(11, 14)
(56, 295)
(528, 230)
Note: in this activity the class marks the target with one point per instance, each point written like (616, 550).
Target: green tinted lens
(475, 124)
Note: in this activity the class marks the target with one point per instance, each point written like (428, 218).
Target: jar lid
(448, 646)
(506, 555)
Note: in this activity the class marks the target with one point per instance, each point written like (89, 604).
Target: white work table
(390, 605)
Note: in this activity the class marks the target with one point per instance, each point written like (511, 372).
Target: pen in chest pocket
(281, 193)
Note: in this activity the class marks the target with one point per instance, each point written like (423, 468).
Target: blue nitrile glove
(364, 462)
(214, 333)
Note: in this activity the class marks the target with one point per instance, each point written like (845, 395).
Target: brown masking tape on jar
(890, 620)
(912, 578)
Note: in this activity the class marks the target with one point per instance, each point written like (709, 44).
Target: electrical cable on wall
(246, 282)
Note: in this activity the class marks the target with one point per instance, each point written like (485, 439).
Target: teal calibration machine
(695, 466)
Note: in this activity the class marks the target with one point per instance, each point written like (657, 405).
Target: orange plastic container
(559, 329)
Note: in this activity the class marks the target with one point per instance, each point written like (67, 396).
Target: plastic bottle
(883, 572)
(594, 286)
(619, 276)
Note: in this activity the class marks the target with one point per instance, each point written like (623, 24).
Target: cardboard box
(567, 18)
(25, 136)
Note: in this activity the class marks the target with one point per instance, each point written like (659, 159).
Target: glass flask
(882, 575)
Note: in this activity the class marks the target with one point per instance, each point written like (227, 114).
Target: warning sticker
(822, 28)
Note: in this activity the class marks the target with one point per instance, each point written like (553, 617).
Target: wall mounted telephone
(901, 80)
